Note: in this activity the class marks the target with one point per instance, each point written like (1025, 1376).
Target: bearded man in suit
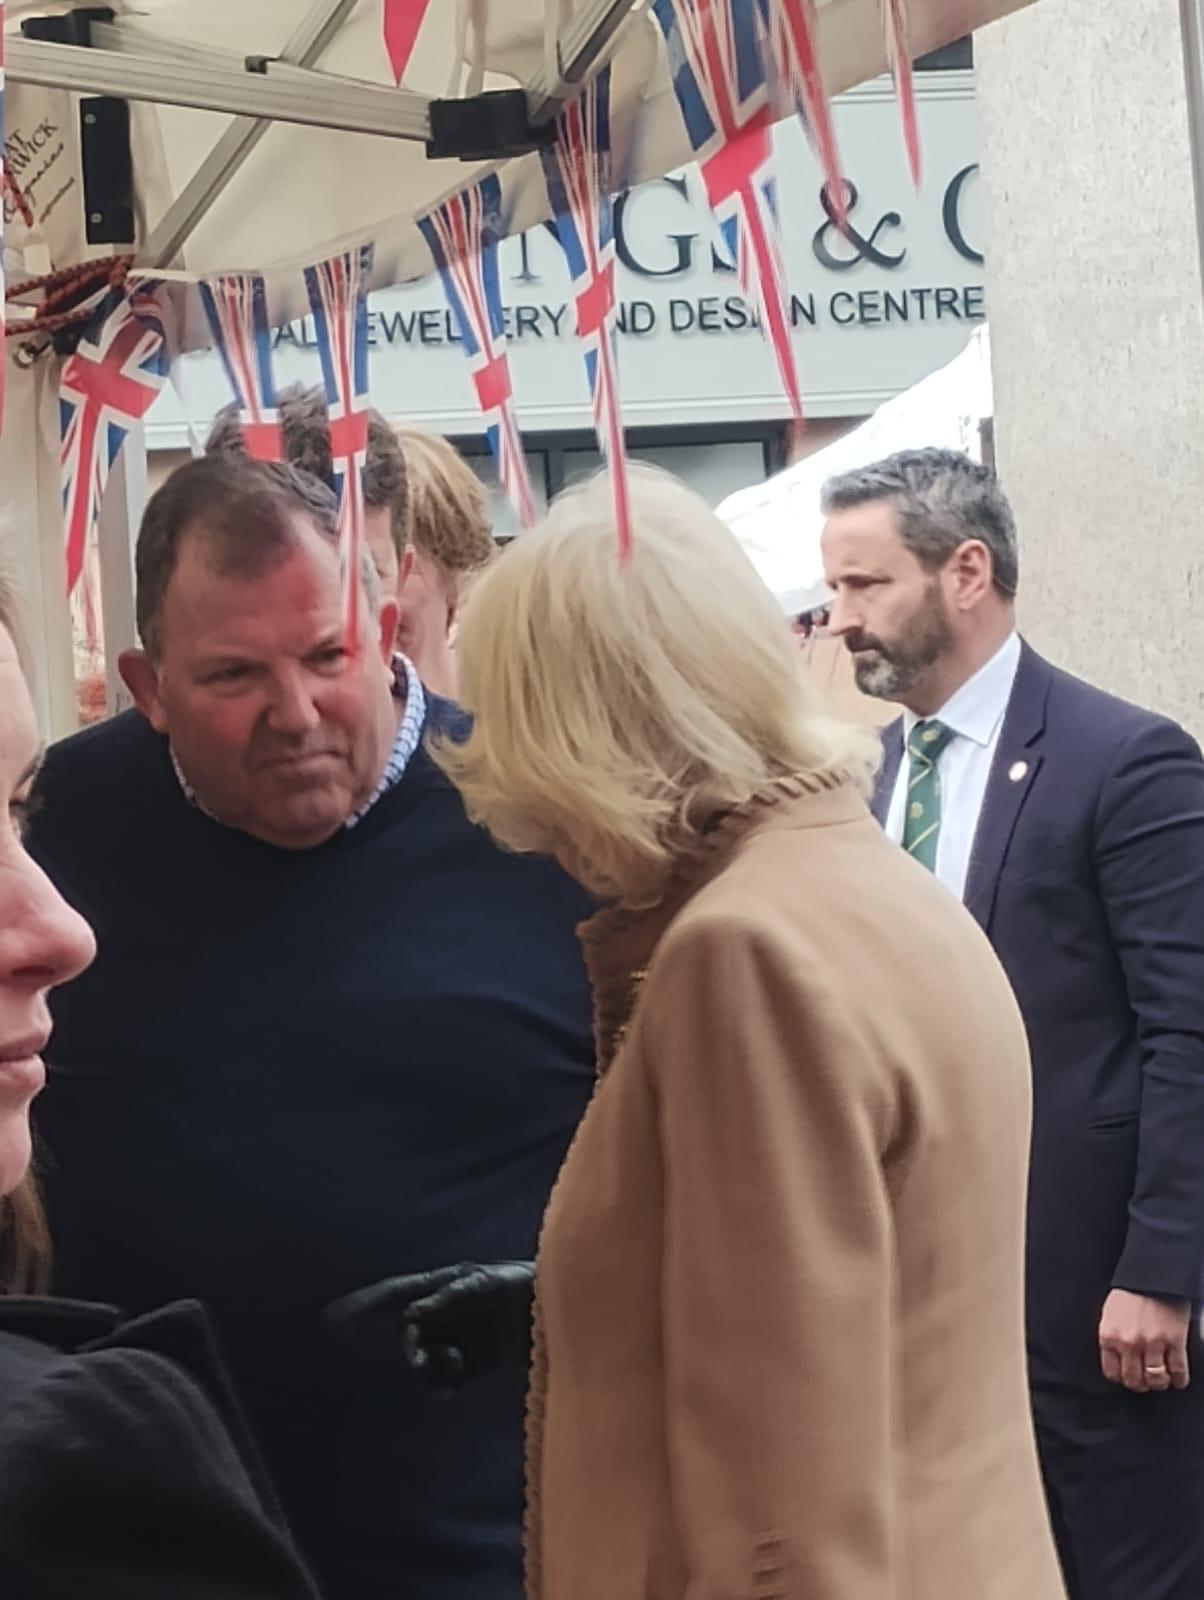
(1072, 826)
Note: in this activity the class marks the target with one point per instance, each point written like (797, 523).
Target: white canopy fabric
(779, 522)
(277, 179)
(301, 193)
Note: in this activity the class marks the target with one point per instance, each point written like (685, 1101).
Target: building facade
(1091, 121)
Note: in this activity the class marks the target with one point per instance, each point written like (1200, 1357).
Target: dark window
(732, 457)
(955, 57)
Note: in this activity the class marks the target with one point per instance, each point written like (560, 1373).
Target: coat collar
(619, 941)
(178, 1332)
(63, 1324)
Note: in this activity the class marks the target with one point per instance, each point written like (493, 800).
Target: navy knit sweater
(288, 1075)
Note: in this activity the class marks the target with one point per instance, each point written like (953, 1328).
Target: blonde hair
(620, 708)
(24, 1237)
(449, 509)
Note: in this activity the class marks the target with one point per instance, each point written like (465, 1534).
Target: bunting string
(898, 48)
(717, 54)
(338, 299)
(792, 29)
(463, 237)
(401, 23)
(236, 310)
(107, 386)
(577, 170)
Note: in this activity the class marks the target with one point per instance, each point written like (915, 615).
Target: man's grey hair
(244, 512)
(941, 498)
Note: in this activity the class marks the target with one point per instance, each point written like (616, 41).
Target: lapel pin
(1018, 770)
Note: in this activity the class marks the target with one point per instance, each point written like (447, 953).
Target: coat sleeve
(119, 1481)
(1149, 848)
(778, 1276)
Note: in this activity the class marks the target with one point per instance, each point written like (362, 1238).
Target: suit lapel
(884, 784)
(1014, 770)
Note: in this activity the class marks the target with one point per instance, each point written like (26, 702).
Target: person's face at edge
(43, 942)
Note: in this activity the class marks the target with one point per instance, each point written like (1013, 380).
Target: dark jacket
(125, 1469)
(1087, 873)
(292, 1073)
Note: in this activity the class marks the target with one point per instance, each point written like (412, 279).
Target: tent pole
(587, 37)
(310, 99)
(121, 510)
(304, 49)
(1191, 18)
(58, 701)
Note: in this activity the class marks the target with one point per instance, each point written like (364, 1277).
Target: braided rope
(65, 291)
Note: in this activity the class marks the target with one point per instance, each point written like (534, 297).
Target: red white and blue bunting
(792, 37)
(731, 61)
(236, 309)
(577, 170)
(338, 298)
(717, 55)
(463, 236)
(898, 49)
(401, 23)
(106, 387)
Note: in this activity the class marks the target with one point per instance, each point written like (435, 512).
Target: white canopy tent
(269, 135)
(779, 522)
(344, 158)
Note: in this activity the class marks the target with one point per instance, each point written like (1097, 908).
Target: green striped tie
(922, 819)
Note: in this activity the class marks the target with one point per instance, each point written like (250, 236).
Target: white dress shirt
(975, 713)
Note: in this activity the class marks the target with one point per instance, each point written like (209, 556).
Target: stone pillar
(1097, 338)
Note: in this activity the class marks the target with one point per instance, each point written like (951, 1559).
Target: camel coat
(779, 1343)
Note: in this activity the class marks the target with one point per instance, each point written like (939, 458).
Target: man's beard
(889, 671)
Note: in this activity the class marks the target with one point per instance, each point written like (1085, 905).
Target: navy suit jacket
(1087, 874)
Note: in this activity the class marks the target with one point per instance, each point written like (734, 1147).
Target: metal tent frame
(259, 91)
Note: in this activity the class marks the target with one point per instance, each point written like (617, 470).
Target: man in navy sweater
(333, 1033)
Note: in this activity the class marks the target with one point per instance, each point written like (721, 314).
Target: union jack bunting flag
(577, 169)
(898, 49)
(107, 386)
(236, 308)
(792, 34)
(463, 237)
(717, 56)
(338, 298)
(401, 23)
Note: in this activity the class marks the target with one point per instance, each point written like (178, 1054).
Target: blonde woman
(449, 540)
(779, 1345)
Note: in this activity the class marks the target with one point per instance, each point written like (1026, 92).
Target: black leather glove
(455, 1324)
